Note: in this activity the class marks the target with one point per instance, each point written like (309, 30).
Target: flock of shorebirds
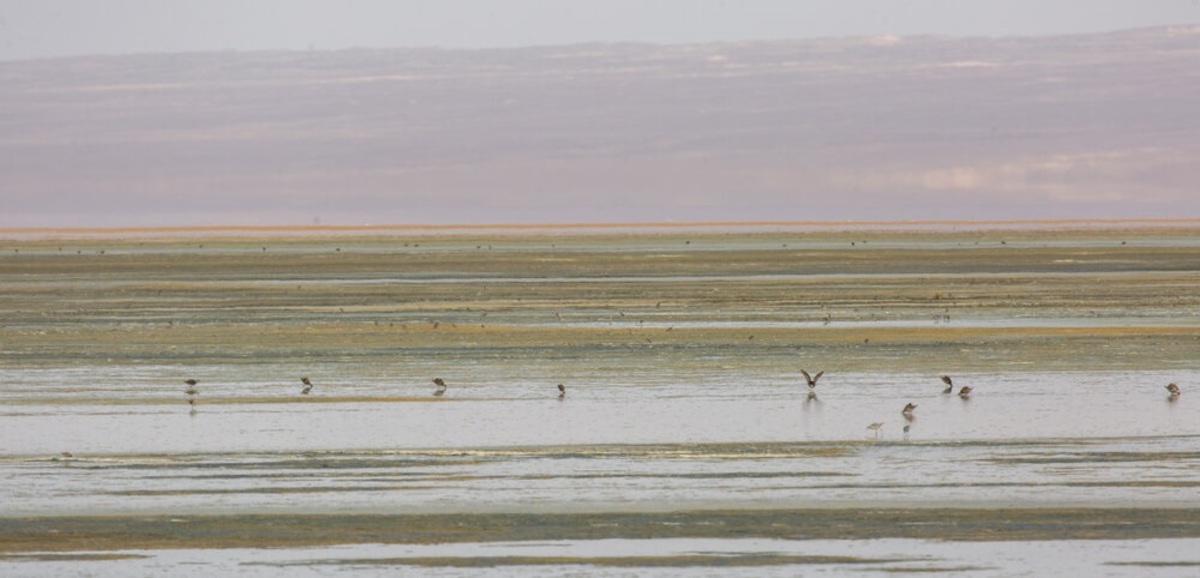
(907, 412)
(964, 392)
(438, 391)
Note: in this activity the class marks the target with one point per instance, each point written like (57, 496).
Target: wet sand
(67, 533)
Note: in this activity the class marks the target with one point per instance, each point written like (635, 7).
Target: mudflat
(680, 350)
(274, 531)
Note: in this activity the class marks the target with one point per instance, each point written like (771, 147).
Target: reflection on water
(357, 446)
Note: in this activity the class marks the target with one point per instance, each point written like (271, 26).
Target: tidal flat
(687, 440)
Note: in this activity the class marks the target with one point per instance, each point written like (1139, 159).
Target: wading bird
(562, 391)
(191, 386)
(1175, 391)
(907, 412)
(307, 386)
(875, 427)
(441, 387)
(812, 380)
(949, 385)
(965, 392)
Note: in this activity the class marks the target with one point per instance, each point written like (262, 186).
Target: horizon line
(597, 225)
(1187, 28)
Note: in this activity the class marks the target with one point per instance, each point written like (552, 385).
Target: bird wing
(817, 376)
(806, 376)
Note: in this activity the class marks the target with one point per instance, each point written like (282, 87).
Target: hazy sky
(50, 28)
(890, 128)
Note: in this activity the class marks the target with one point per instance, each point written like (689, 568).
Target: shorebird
(1175, 391)
(441, 387)
(307, 386)
(907, 412)
(875, 427)
(191, 386)
(965, 392)
(812, 380)
(949, 385)
(562, 391)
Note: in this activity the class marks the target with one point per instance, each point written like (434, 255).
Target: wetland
(686, 442)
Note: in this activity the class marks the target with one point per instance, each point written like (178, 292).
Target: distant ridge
(861, 129)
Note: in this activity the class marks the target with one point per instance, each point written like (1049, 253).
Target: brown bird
(562, 391)
(1174, 389)
(441, 387)
(191, 386)
(907, 412)
(965, 392)
(812, 380)
(949, 385)
(307, 386)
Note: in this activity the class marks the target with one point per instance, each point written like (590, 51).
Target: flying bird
(307, 386)
(949, 385)
(812, 380)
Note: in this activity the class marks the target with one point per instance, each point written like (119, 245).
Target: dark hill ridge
(1074, 126)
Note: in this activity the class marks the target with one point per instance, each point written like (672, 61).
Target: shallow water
(693, 415)
(674, 557)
